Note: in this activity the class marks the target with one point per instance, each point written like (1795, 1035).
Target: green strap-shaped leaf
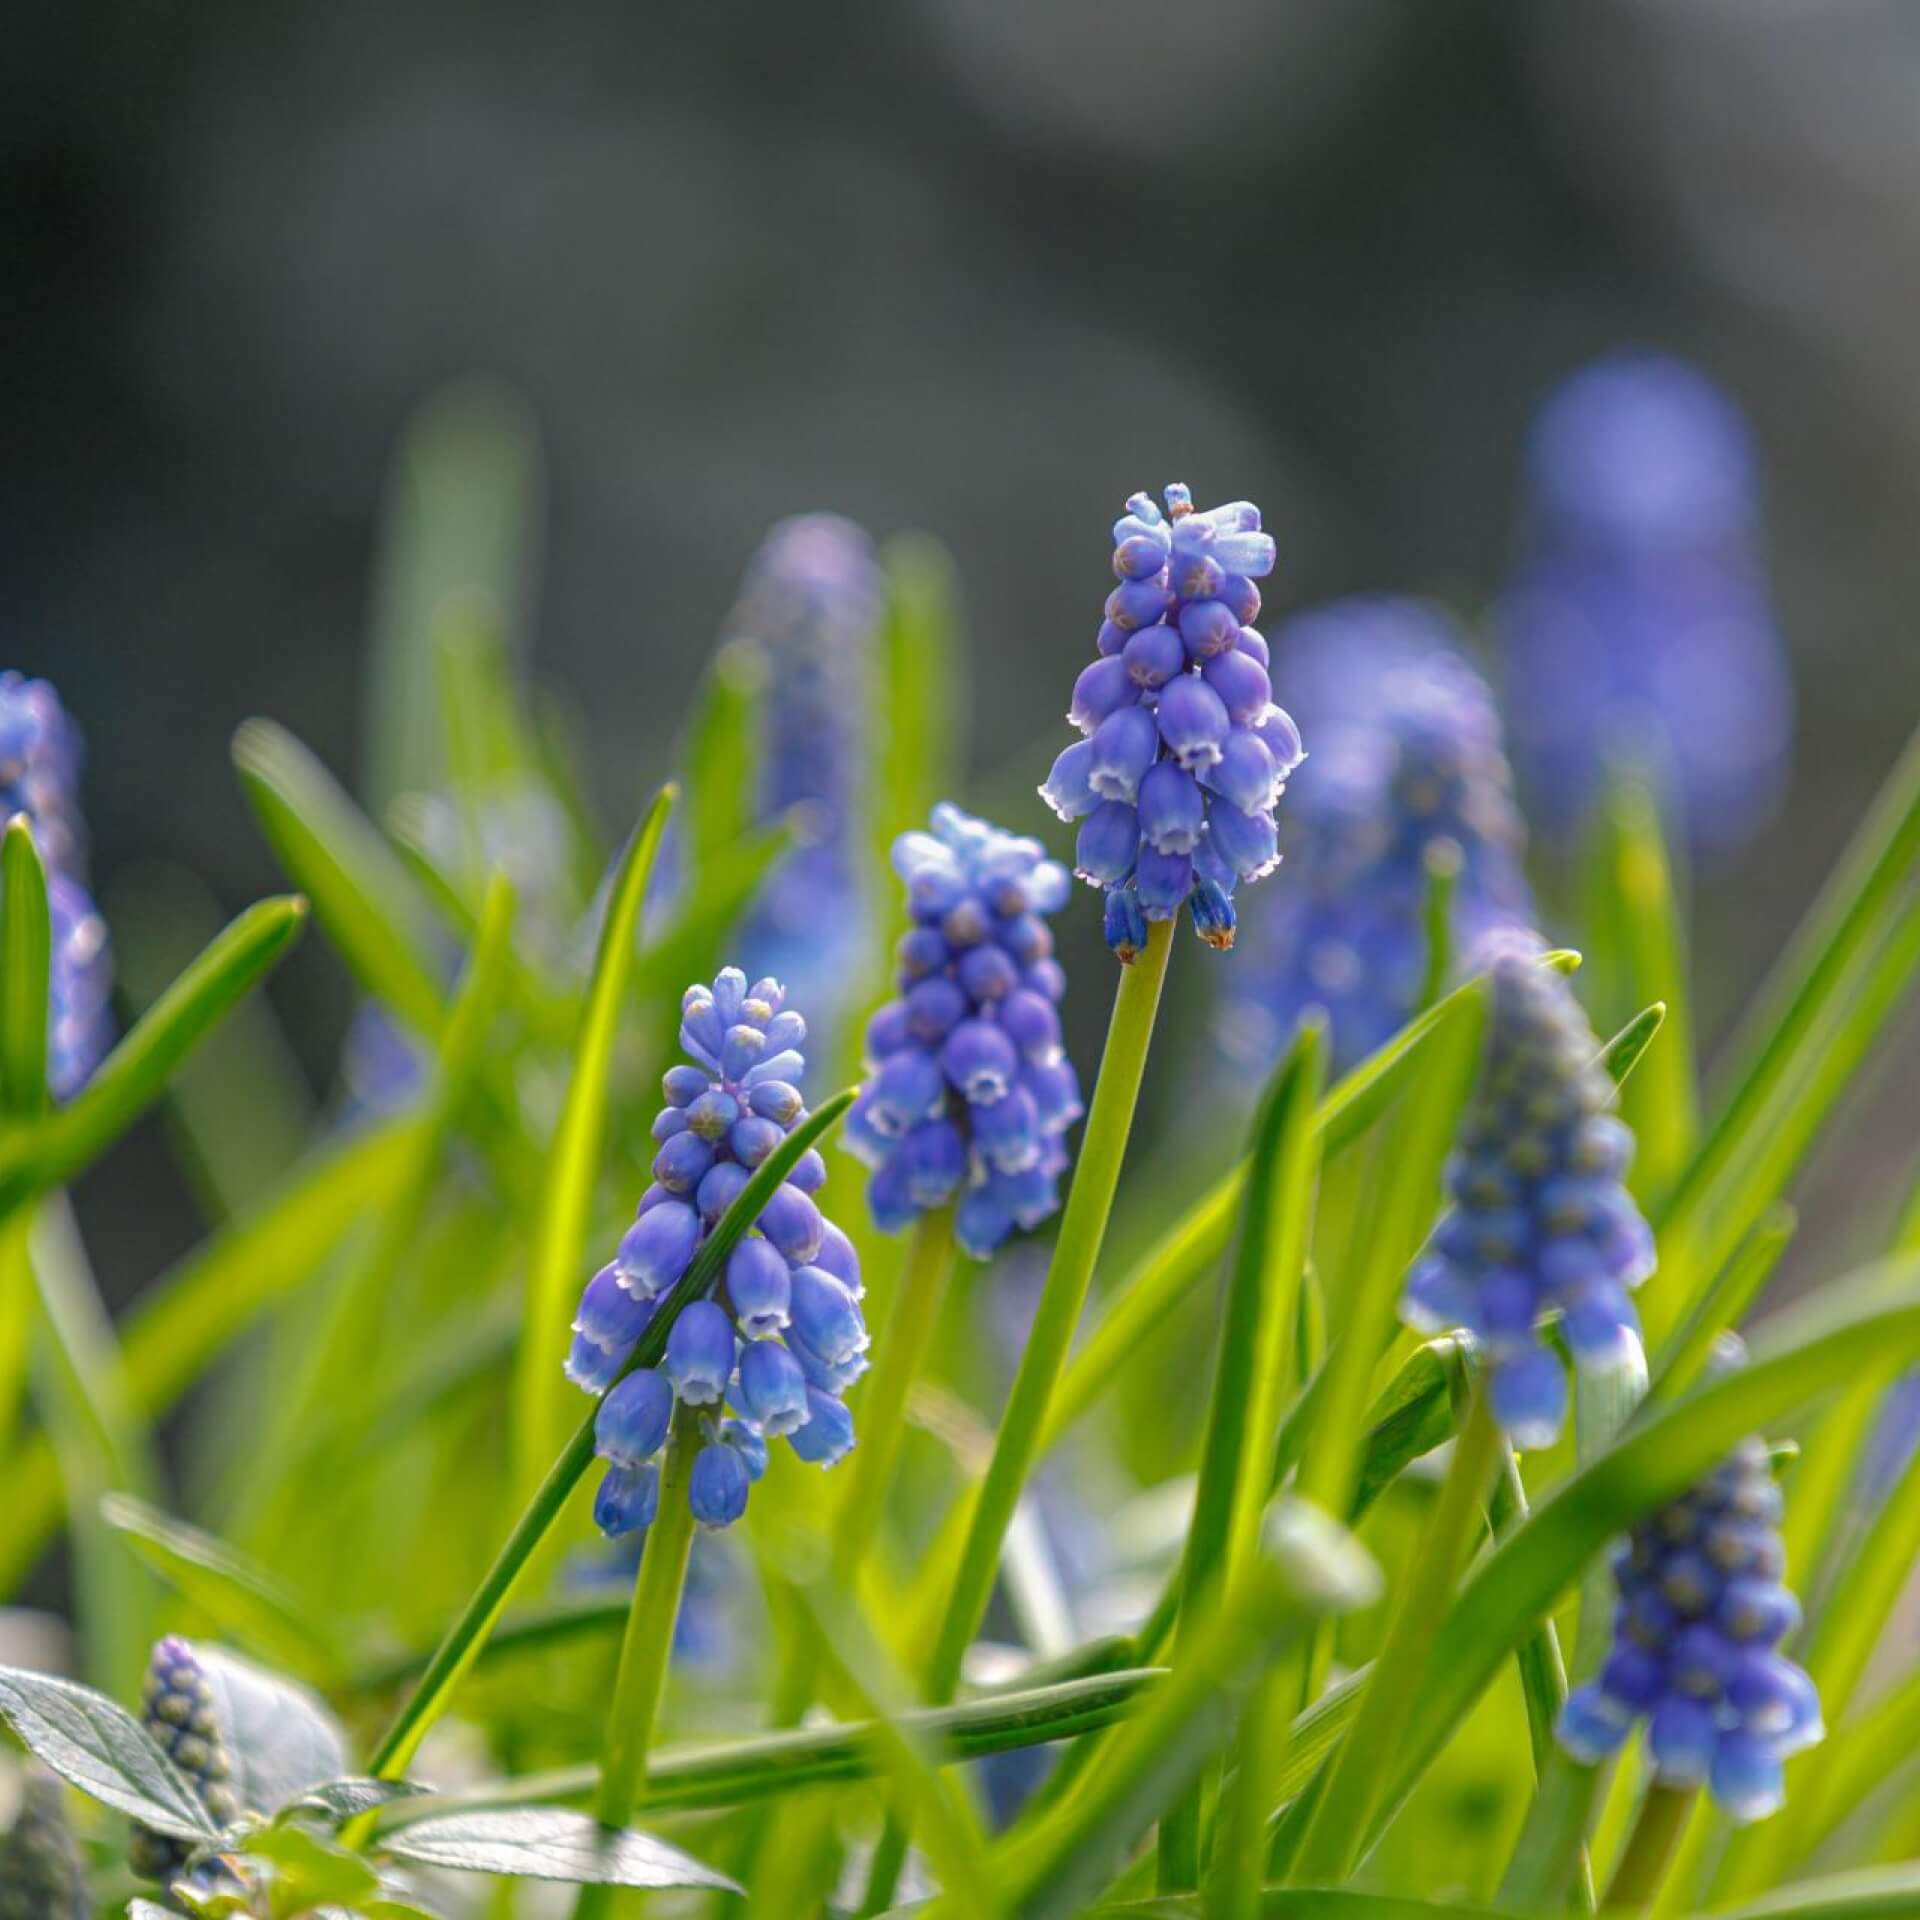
(554, 1267)
(134, 1074)
(361, 891)
(26, 944)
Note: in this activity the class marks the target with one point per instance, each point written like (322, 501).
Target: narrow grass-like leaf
(134, 1074)
(202, 1304)
(458, 1649)
(1311, 1567)
(1725, 1302)
(460, 526)
(549, 1843)
(1639, 955)
(920, 702)
(361, 891)
(1251, 1364)
(312, 1870)
(26, 953)
(240, 1597)
(1799, 1356)
(554, 1275)
(721, 755)
(103, 1750)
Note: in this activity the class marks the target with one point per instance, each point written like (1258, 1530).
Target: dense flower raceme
(1407, 773)
(1695, 1646)
(1638, 625)
(969, 1090)
(770, 1353)
(40, 755)
(42, 1876)
(1541, 1222)
(812, 601)
(1186, 754)
(177, 1707)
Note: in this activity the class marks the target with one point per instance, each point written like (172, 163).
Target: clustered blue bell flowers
(1638, 625)
(812, 601)
(177, 1707)
(40, 757)
(770, 1353)
(42, 1876)
(1186, 754)
(969, 1090)
(1541, 1222)
(1695, 1653)
(1408, 774)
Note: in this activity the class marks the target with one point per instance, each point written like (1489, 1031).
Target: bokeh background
(971, 268)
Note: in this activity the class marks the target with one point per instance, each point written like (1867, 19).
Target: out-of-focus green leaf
(919, 704)
(240, 1597)
(101, 1749)
(1724, 1304)
(202, 1304)
(26, 952)
(721, 756)
(368, 903)
(554, 1274)
(352, 1795)
(549, 1843)
(133, 1075)
(1637, 953)
(461, 527)
(310, 1870)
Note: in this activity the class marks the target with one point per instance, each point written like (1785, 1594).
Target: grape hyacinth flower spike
(178, 1709)
(40, 755)
(969, 1091)
(1702, 1610)
(1541, 1222)
(1185, 754)
(42, 1876)
(769, 1354)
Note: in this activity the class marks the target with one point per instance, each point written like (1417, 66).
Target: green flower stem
(1336, 1834)
(1083, 1226)
(1649, 1851)
(647, 1647)
(903, 1348)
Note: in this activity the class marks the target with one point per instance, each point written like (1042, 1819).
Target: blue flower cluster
(812, 601)
(177, 1708)
(970, 1090)
(782, 1337)
(1541, 1222)
(1408, 774)
(1638, 625)
(42, 1876)
(1185, 755)
(40, 757)
(1696, 1634)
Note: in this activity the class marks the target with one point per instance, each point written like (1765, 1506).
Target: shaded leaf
(284, 1741)
(26, 953)
(550, 1843)
(356, 1794)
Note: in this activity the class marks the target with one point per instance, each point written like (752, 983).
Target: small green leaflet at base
(103, 1750)
(348, 1798)
(550, 1843)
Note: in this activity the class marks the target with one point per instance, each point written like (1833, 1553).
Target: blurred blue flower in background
(1541, 1221)
(40, 759)
(1407, 776)
(1695, 1649)
(782, 1337)
(812, 601)
(42, 1876)
(1186, 755)
(1637, 626)
(969, 1089)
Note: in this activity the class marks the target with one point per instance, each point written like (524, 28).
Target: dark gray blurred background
(973, 267)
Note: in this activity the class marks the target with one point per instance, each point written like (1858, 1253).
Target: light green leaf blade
(368, 903)
(26, 952)
(554, 1275)
(239, 1596)
(721, 754)
(461, 528)
(135, 1073)
(312, 1871)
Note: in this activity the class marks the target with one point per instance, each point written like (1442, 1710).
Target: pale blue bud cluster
(969, 1089)
(178, 1709)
